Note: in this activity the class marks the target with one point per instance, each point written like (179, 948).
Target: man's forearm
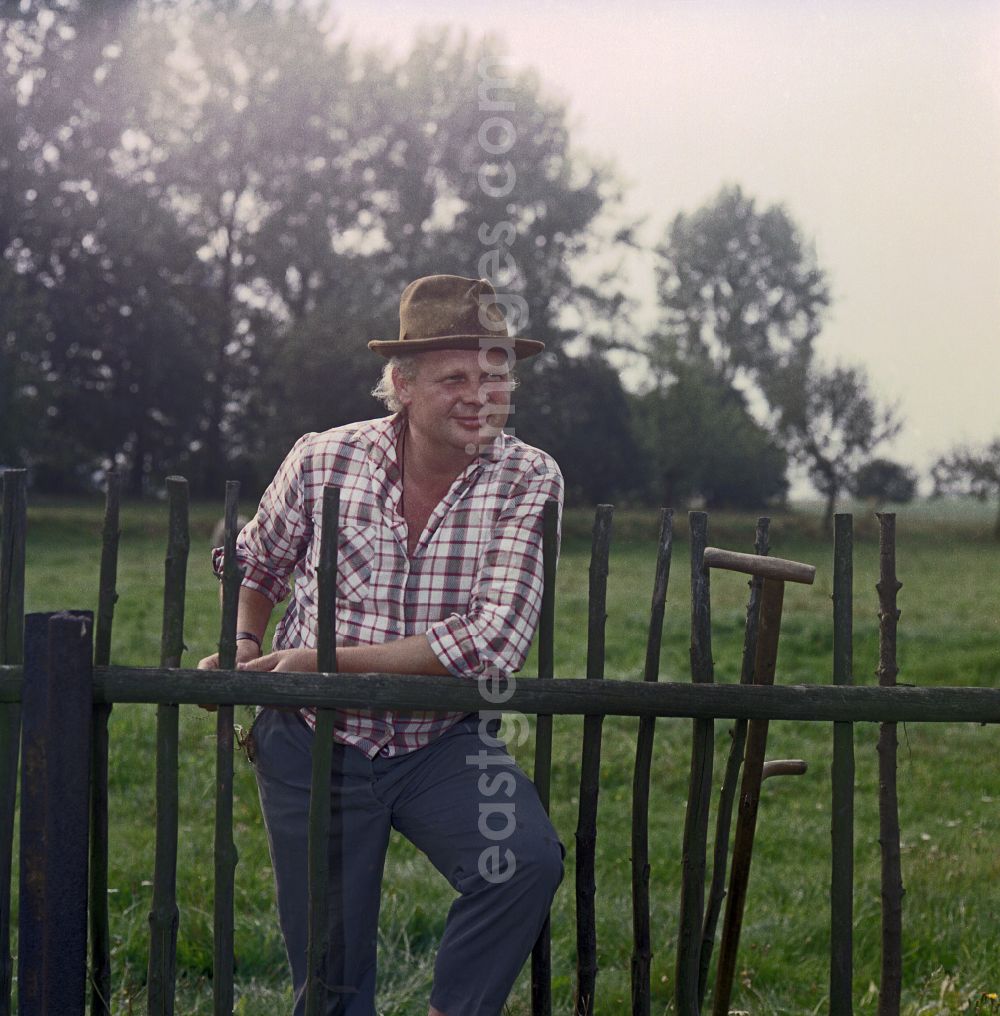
(411, 655)
(253, 612)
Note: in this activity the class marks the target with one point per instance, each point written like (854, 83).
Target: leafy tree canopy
(743, 300)
(700, 441)
(212, 207)
(883, 480)
(970, 470)
(739, 288)
(832, 423)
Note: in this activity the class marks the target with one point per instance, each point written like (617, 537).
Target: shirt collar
(381, 437)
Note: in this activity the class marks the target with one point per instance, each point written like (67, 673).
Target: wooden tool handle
(756, 564)
(784, 767)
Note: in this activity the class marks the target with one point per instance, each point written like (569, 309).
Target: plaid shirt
(473, 585)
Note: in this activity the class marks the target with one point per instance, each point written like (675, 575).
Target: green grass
(948, 785)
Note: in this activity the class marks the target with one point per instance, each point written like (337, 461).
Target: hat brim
(523, 348)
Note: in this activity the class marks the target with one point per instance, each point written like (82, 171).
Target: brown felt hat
(451, 312)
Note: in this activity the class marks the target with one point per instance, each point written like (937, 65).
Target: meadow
(949, 786)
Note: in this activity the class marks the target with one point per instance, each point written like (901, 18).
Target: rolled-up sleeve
(272, 543)
(497, 630)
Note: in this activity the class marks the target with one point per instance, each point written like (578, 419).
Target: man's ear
(402, 386)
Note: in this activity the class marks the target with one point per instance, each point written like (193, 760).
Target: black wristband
(248, 636)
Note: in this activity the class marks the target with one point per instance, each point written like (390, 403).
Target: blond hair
(385, 389)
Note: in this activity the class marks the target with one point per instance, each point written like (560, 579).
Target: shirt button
(384, 751)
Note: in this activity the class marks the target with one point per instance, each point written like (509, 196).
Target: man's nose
(474, 393)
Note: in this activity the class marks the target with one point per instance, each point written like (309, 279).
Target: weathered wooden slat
(13, 531)
(590, 771)
(842, 777)
(890, 987)
(541, 953)
(175, 573)
(641, 937)
(565, 697)
(693, 853)
(100, 930)
(597, 594)
(771, 598)
(546, 643)
(55, 794)
(225, 849)
(734, 762)
(12, 547)
(657, 608)
(232, 577)
(107, 595)
(163, 917)
(326, 625)
(325, 949)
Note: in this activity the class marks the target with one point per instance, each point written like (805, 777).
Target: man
(440, 572)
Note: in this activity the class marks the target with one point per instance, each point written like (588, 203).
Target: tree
(104, 272)
(743, 296)
(884, 481)
(251, 141)
(575, 408)
(217, 205)
(24, 389)
(438, 201)
(742, 301)
(970, 470)
(740, 289)
(323, 378)
(832, 424)
(700, 441)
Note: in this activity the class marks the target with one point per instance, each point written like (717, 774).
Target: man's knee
(532, 863)
(550, 864)
(541, 863)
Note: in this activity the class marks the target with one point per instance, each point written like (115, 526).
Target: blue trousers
(465, 804)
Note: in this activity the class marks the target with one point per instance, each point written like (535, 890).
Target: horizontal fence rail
(564, 697)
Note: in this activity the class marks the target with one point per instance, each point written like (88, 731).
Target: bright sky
(876, 124)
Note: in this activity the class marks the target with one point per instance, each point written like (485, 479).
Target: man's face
(459, 399)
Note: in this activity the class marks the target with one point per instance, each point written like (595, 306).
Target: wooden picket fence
(57, 688)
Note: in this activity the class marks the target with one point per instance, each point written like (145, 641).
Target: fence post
(55, 799)
(325, 838)
(590, 771)
(891, 981)
(12, 533)
(541, 953)
(163, 916)
(100, 932)
(641, 938)
(693, 854)
(842, 776)
(225, 848)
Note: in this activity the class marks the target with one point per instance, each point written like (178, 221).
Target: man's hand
(295, 660)
(246, 651)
